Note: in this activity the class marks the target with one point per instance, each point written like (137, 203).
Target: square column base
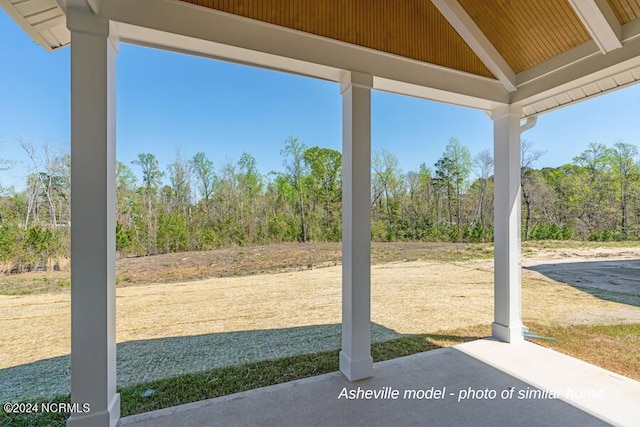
(109, 417)
(356, 370)
(510, 334)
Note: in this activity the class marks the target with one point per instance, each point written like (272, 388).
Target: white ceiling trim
(601, 22)
(477, 41)
(148, 37)
(221, 35)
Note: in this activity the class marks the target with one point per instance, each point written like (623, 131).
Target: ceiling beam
(601, 22)
(477, 41)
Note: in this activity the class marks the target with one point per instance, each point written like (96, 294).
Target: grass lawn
(613, 347)
(464, 295)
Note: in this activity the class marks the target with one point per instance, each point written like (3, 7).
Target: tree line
(192, 205)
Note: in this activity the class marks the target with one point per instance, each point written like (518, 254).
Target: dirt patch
(242, 261)
(279, 258)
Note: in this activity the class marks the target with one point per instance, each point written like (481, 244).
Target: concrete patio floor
(533, 386)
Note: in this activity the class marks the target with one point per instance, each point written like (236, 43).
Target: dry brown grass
(616, 347)
(612, 347)
(410, 297)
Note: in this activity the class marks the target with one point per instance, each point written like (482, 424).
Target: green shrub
(477, 234)
(41, 244)
(546, 231)
(173, 233)
(125, 239)
(9, 242)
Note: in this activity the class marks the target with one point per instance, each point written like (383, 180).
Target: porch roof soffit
(43, 20)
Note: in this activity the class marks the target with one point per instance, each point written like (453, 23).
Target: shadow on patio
(586, 395)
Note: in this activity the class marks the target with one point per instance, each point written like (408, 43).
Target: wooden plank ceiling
(625, 10)
(409, 28)
(524, 32)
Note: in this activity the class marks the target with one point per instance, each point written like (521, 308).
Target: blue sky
(168, 101)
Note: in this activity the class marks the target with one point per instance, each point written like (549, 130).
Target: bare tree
(151, 179)
(293, 154)
(39, 181)
(4, 165)
(205, 174)
(594, 178)
(180, 173)
(623, 159)
(388, 187)
(452, 171)
(527, 158)
(482, 166)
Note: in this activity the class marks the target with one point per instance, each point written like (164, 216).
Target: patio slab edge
(606, 395)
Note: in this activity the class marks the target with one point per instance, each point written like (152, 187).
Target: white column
(93, 210)
(355, 358)
(507, 325)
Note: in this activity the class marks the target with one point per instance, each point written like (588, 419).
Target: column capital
(506, 110)
(355, 78)
(84, 21)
